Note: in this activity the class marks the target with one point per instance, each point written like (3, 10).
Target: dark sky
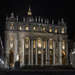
(54, 8)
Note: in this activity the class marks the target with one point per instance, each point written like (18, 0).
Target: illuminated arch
(11, 58)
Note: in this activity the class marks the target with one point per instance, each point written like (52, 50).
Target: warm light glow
(11, 38)
(63, 30)
(11, 45)
(26, 45)
(39, 43)
(12, 24)
(39, 52)
(63, 44)
(17, 59)
(50, 30)
(56, 30)
(11, 42)
(27, 38)
(63, 47)
(34, 44)
(20, 28)
(29, 12)
(11, 27)
(51, 52)
(26, 42)
(51, 44)
(43, 29)
(26, 28)
(12, 65)
(34, 28)
(63, 52)
(44, 44)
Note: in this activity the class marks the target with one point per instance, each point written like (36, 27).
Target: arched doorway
(11, 58)
(63, 57)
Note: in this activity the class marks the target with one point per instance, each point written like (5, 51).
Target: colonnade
(47, 53)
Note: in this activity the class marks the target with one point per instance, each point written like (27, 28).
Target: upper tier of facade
(36, 24)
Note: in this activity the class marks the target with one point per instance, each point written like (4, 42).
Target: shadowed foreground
(37, 70)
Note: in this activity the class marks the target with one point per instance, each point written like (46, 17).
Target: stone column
(60, 53)
(66, 49)
(31, 52)
(22, 52)
(6, 54)
(54, 52)
(36, 54)
(46, 53)
(42, 54)
(15, 50)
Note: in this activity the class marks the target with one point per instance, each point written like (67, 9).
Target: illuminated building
(35, 41)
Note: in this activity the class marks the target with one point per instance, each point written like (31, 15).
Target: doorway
(11, 58)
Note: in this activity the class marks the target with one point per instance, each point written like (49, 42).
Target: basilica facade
(35, 41)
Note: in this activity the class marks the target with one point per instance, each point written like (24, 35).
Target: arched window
(39, 43)
(11, 58)
(26, 42)
(50, 29)
(56, 30)
(62, 30)
(43, 29)
(12, 26)
(34, 28)
(63, 44)
(20, 28)
(50, 44)
(11, 42)
(27, 28)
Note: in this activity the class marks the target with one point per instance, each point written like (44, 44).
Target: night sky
(55, 8)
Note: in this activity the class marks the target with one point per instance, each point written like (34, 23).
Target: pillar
(36, 54)
(48, 60)
(15, 50)
(22, 52)
(6, 54)
(54, 52)
(42, 54)
(66, 49)
(46, 53)
(31, 52)
(60, 53)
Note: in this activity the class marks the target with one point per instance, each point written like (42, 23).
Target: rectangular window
(50, 30)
